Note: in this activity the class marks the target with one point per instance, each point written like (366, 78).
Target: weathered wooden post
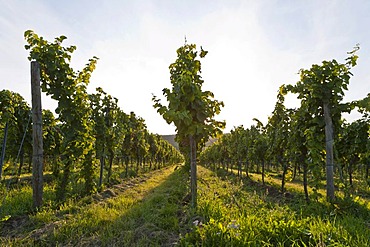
(2, 158)
(37, 159)
(193, 171)
(329, 152)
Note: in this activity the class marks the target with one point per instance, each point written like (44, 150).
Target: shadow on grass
(364, 193)
(16, 203)
(16, 182)
(295, 200)
(137, 217)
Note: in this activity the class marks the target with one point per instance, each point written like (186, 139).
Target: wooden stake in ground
(193, 171)
(2, 158)
(37, 159)
(329, 152)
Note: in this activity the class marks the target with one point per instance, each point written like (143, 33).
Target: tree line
(312, 139)
(90, 133)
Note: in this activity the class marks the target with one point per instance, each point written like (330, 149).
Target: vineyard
(301, 179)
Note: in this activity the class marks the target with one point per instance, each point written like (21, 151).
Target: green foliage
(107, 133)
(52, 141)
(100, 129)
(325, 83)
(364, 104)
(352, 148)
(69, 88)
(277, 129)
(321, 90)
(242, 147)
(189, 108)
(15, 111)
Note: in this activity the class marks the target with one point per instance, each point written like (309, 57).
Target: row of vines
(295, 141)
(90, 135)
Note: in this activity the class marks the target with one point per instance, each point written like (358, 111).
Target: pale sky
(254, 47)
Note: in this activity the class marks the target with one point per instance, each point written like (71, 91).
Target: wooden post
(2, 158)
(37, 158)
(329, 152)
(193, 172)
(101, 171)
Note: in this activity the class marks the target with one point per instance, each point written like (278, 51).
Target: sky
(254, 46)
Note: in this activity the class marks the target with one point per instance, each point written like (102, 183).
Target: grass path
(143, 211)
(232, 213)
(153, 210)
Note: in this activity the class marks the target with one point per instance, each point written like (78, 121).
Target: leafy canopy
(189, 108)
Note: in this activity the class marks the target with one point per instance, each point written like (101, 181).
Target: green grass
(17, 201)
(16, 197)
(360, 193)
(153, 210)
(143, 211)
(245, 214)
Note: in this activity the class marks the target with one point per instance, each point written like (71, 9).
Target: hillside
(171, 140)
